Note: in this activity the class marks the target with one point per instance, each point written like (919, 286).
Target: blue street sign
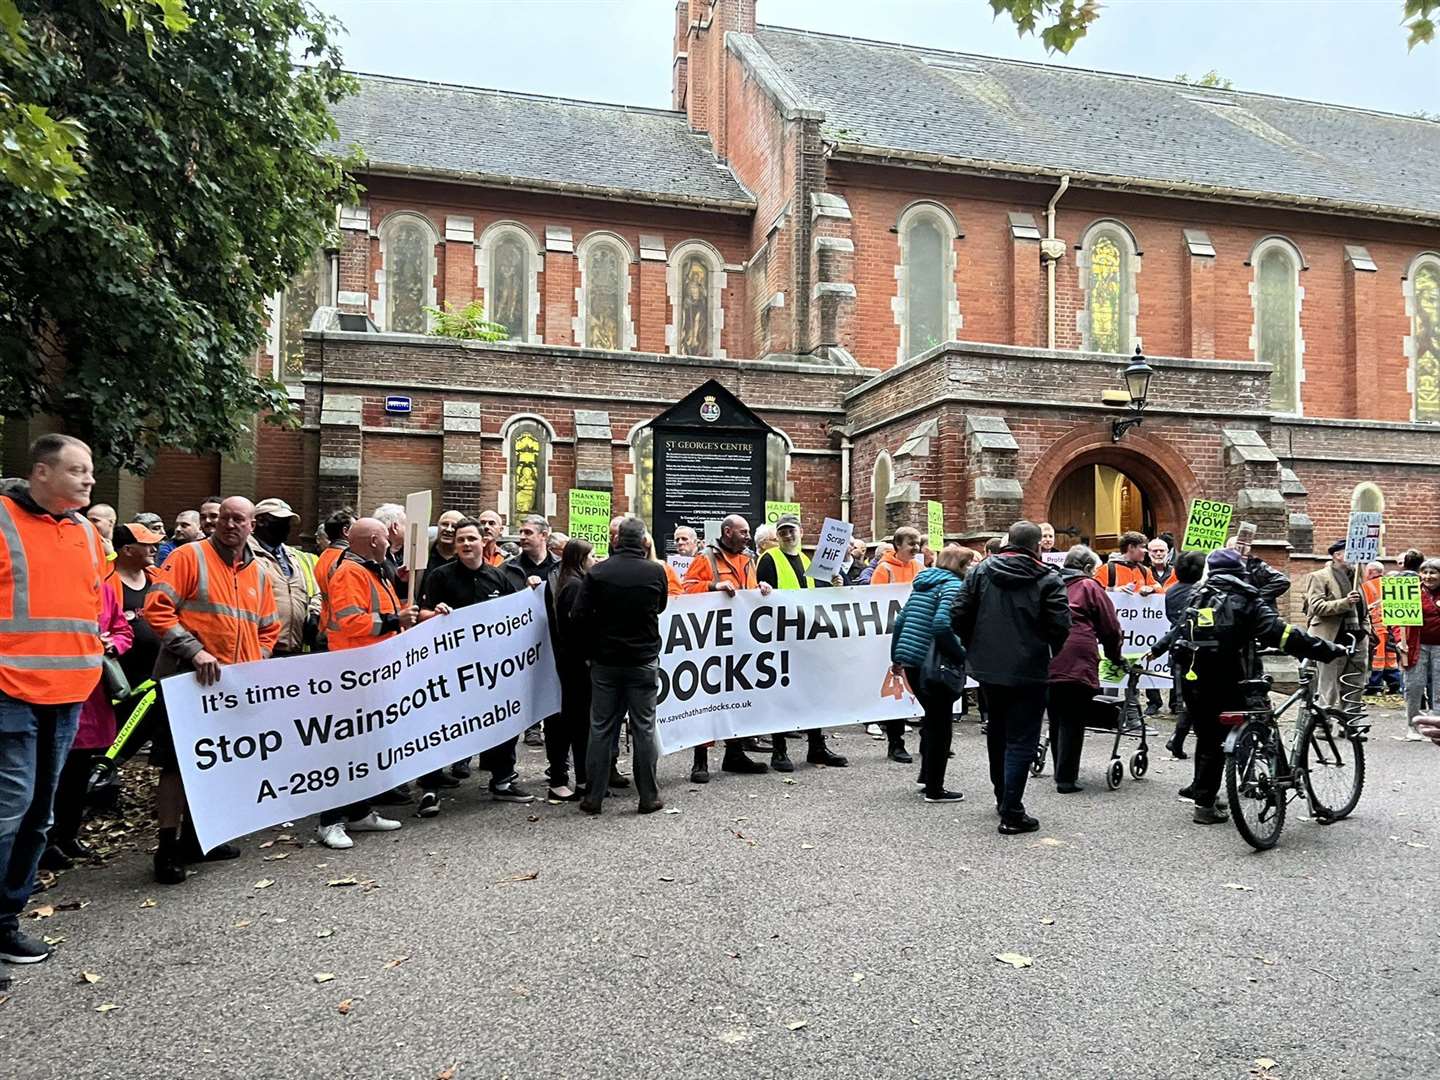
(397, 403)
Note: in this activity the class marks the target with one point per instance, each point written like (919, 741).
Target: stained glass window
(925, 293)
(1277, 323)
(1108, 297)
(1426, 331)
(308, 291)
(692, 328)
(642, 459)
(529, 443)
(777, 467)
(607, 279)
(409, 277)
(507, 300)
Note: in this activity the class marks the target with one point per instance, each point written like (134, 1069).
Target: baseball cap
(1338, 545)
(792, 520)
(134, 533)
(151, 521)
(278, 508)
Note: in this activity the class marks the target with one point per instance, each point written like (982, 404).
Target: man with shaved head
(211, 606)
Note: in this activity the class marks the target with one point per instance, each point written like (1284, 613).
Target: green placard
(590, 519)
(1209, 523)
(1400, 601)
(935, 521)
(773, 510)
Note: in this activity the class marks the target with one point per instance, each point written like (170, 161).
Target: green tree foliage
(133, 308)
(467, 324)
(1062, 23)
(1210, 78)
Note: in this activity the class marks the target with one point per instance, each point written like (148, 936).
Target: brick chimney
(699, 69)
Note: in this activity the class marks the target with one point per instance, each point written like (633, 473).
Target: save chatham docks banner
(751, 665)
(278, 740)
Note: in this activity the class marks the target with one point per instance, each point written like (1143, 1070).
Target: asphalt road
(836, 926)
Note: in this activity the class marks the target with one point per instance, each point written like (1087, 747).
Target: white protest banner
(831, 548)
(277, 740)
(751, 665)
(1362, 541)
(1143, 622)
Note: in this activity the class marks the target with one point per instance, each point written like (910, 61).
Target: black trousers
(1204, 715)
(1012, 736)
(1071, 707)
(70, 795)
(935, 732)
(567, 735)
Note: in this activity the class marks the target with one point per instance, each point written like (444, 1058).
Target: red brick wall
(181, 481)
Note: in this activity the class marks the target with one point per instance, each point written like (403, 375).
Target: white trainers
(874, 731)
(334, 836)
(373, 822)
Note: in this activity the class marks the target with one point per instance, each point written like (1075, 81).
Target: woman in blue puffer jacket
(926, 618)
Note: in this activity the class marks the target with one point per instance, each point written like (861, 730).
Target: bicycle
(1261, 777)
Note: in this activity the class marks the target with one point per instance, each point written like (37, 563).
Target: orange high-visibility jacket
(713, 566)
(893, 571)
(363, 606)
(50, 570)
(1117, 573)
(673, 585)
(199, 601)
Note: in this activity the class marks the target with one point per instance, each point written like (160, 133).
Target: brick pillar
(1198, 295)
(652, 302)
(458, 275)
(559, 324)
(461, 478)
(1252, 471)
(1025, 311)
(1361, 337)
(339, 470)
(679, 79)
(995, 495)
(354, 291)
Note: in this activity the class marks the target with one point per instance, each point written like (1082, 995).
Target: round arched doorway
(1094, 504)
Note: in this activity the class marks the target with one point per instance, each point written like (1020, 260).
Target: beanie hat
(1224, 559)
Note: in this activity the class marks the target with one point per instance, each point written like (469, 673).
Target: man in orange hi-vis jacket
(212, 605)
(51, 562)
(725, 566)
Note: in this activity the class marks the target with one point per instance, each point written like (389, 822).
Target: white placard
(417, 532)
(1362, 541)
(1054, 558)
(278, 740)
(830, 549)
(1143, 622)
(680, 564)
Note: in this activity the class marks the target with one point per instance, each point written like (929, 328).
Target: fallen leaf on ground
(89, 977)
(327, 932)
(1050, 841)
(4, 998)
(267, 844)
(264, 883)
(395, 962)
(323, 976)
(858, 977)
(788, 780)
(106, 1008)
(666, 877)
(147, 902)
(796, 1025)
(344, 1007)
(533, 818)
(807, 847)
(343, 881)
(54, 940)
(915, 1020)
(446, 1074)
(277, 856)
(241, 924)
(1014, 959)
(520, 991)
(521, 875)
(1048, 921)
(671, 810)
(1237, 887)
(44, 911)
(1264, 1063)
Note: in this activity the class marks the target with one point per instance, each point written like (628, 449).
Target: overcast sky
(1346, 51)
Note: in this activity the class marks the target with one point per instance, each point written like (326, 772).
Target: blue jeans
(34, 740)
(1011, 738)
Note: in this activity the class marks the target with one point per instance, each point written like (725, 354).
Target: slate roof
(1037, 117)
(438, 129)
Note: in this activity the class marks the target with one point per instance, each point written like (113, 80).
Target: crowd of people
(94, 612)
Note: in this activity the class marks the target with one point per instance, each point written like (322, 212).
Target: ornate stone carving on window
(604, 294)
(1422, 295)
(407, 253)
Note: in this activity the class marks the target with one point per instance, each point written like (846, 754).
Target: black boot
(735, 760)
(820, 754)
(779, 759)
(169, 867)
(899, 753)
(189, 847)
(700, 767)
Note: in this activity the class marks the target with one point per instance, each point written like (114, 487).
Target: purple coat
(1093, 625)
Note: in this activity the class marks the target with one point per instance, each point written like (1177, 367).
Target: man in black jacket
(618, 617)
(1013, 616)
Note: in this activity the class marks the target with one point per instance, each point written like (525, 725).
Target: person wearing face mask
(292, 576)
(725, 567)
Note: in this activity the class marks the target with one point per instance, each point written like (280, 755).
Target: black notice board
(710, 462)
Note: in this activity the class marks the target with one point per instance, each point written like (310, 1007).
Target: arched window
(507, 259)
(1422, 301)
(1109, 261)
(882, 476)
(1277, 319)
(1367, 497)
(527, 468)
(407, 256)
(604, 319)
(696, 281)
(926, 307)
(309, 290)
(642, 465)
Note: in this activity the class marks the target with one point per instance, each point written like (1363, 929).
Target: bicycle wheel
(1334, 764)
(1257, 803)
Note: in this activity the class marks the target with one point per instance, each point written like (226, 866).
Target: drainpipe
(1051, 260)
(845, 446)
